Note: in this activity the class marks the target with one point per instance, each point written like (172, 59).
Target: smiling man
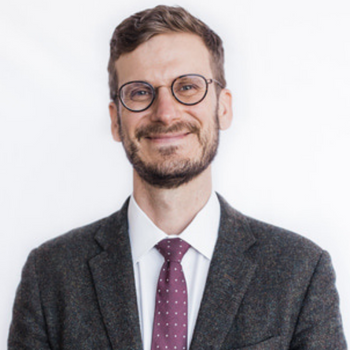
(176, 267)
(172, 138)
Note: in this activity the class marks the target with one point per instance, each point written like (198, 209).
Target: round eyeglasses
(188, 89)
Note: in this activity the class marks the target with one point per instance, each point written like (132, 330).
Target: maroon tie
(170, 315)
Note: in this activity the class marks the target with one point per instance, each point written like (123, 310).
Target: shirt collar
(201, 233)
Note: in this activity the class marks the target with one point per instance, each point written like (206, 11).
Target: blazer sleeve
(28, 330)
(319, 324)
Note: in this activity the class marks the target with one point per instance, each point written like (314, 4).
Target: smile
(168, 137)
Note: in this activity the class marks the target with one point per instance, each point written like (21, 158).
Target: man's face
(169, 143)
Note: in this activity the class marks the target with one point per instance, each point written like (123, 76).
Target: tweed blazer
(267, 289)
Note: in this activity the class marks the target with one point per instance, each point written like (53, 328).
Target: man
(176, 267)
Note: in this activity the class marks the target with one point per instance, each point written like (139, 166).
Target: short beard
(172, 174)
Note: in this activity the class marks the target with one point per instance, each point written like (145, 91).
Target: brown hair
(161, 19)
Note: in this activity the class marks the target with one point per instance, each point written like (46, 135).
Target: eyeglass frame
(207, 82)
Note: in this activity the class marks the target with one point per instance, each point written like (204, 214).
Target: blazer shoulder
(282, 240)
(270, 240)
(279, 236)
(78, 236)
(80, 242)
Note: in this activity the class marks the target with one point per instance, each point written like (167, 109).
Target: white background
(285, 159)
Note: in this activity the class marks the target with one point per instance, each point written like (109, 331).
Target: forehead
(163, 58)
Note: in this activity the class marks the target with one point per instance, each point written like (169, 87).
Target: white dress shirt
(201, 234)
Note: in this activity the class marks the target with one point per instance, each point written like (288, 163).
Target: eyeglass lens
(189, 90)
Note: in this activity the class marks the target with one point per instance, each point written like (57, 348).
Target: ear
(225, 109)
(115, 125)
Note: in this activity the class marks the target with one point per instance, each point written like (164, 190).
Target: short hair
(144, 25)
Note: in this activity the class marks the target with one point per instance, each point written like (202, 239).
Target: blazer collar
(230, 273)
(112, 272)
(114, 229)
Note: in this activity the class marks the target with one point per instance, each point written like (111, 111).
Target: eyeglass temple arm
(209, 81)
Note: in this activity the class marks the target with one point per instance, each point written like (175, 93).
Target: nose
(165, 109)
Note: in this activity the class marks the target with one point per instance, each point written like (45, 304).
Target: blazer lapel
(230, 273)
(112, 272)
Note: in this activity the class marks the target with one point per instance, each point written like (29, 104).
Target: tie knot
(173, 249)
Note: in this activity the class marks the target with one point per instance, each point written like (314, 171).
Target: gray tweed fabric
(267, 289)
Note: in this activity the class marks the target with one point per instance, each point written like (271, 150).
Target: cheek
(207, 115)
(209, 104)
(129, 122)
(199, 112)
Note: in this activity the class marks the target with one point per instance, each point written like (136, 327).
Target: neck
(172, 210)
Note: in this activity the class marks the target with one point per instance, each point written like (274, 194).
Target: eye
(188, 87)
(138, 92)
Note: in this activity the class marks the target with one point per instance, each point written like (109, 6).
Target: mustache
(155, 129)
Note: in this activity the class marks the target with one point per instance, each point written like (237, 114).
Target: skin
(159, 61)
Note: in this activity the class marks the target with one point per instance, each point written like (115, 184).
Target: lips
(161, 132)
(168, 137)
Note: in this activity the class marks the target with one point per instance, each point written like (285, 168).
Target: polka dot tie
(170, 315)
